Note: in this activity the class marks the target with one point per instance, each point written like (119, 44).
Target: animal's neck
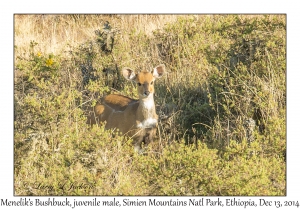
(146, 116)
(147, 107)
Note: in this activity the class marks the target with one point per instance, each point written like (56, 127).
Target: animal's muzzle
(146, 93)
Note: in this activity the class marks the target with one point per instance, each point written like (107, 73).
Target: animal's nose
(147, 93)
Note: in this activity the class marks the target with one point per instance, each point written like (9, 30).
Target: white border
(8, 8)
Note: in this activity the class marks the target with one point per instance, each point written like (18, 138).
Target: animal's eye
(139, 84)
(151, 83)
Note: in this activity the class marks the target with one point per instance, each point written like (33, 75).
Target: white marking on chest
(148, 123)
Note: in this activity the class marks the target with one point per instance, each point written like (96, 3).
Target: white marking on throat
(148, 123)
(148, 103)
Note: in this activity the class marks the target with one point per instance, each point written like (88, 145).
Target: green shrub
(196, 170)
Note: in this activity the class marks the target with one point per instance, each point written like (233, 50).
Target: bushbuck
(134, 118)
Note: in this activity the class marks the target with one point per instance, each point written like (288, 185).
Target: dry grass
(55, 32)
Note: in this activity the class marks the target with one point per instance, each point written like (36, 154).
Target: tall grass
(222, 104)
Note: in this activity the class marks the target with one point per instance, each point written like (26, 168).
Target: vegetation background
(222, 105)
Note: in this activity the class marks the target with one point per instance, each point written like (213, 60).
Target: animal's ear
(128, 74)
(158, 71)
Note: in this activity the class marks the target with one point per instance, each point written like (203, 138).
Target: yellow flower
(49, 62)
(39, 54)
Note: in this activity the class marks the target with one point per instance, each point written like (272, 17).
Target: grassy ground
(222, 105)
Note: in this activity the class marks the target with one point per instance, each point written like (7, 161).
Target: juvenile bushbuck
(135, 118)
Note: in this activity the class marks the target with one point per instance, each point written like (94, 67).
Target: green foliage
(38, 66)
(231, 70)
(196, 170)
(222, 105)
(180, 170)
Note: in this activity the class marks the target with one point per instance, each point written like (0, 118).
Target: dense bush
(222, 107)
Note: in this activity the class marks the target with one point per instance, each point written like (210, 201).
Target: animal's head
(144, 80)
